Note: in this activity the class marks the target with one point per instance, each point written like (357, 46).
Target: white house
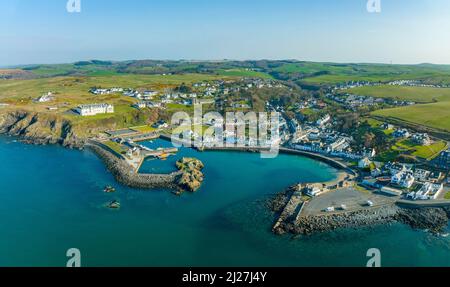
(403, 179)
(364, 163)
(95, 109)
(324, 120)
(427, 191)
(45, 98)
(422, 139)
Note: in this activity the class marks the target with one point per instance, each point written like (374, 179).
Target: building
(421, 174)
(364, 163)
(426, 192)
(390, 191)
(421, 139)
(403, 179)
(443, 161)
(160, 125)
(401, 133)
(324, 120)
(45, 98)
(314, 190)
(94, 109)
(147, 104)
(387, 126)
(100, 91)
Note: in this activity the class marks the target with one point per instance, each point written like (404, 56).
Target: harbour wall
(126, 175)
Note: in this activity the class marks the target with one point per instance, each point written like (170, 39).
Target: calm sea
(51, 199)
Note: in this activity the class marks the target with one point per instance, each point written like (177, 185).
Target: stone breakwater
(433, 219)
(126, 175)
(188, 178)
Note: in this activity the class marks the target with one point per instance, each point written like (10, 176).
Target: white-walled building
(427, 191)
(95, 109)
(403, 179)
(45, 98)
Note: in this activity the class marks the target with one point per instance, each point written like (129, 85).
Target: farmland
(431, 111)
(416, 94)
(332, 73)
(243, 73)
(435, 115)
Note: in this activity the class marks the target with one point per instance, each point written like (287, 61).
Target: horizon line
(15, 66)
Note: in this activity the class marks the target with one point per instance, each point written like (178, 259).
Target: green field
(77, 88)
(431, 151)
(423, 152)
(333, 73)
(432, 110)
(436, 115)
(70, 92)
(244, 73)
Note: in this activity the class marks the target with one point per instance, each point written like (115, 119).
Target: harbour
(148, 226)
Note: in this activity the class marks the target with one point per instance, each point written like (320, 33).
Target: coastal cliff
(39, 128)
(60, 128)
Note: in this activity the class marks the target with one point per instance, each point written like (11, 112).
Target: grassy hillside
(433, 110)
(73, 91)
(244, 73)
(332, 73)
(435, 115)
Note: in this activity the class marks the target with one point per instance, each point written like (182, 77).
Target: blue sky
(406, 31)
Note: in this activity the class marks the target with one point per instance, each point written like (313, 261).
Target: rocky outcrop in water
(191, 178)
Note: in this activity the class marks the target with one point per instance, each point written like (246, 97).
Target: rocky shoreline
(39, 129)
(44, 129)
(433, 219)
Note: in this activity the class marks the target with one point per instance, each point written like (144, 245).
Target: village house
(401, 133)
(364, 163)
(421, 139)
(421, 174)
(403, 179)
(45, 98)
(324, 120)
(426, 192)
(387, 126)
(314, 190)
(443, 161)
(147, 104)
(160, 125)
(100, 91)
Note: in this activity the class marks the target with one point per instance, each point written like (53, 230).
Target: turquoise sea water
(51, 200)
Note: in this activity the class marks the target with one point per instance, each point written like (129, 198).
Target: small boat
(109, 189)
(114, 204)
(164, 156)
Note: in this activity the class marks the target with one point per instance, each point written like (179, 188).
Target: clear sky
(406, 31)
